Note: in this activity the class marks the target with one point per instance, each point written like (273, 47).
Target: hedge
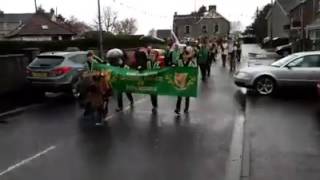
(120, 41)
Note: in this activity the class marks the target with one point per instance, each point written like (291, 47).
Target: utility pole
(100, 32)
(35, 5)
(271, 24)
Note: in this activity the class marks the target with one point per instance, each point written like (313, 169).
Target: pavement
(46, 142)
(228, 130)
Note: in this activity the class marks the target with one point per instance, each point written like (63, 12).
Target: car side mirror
(289, 67)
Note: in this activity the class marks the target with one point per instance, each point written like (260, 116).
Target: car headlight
(242, 75)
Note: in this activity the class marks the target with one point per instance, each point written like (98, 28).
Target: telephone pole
(271, 24)
(35, 5)
(100, 32)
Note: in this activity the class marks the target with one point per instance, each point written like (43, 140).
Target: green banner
(171, 81)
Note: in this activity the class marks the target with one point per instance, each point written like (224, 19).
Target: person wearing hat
(117, 58)
(153, 63)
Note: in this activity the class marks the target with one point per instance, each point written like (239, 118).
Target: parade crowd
(202, 53)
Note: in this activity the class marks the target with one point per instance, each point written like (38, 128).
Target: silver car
(57, 71)
(300, 69)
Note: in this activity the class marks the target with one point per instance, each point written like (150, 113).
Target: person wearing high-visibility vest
(175, 55)
(91, 60)
(187, 60)
(153, 63)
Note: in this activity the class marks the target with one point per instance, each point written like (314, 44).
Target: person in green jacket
(203, 57)
(91, 60)
(175, 55)
(153, 63)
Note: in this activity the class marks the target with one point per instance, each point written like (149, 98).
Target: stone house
(278, 18)
(209, 24)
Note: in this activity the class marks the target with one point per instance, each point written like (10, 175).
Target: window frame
(185, 29)
(204, 27)
(303, 59)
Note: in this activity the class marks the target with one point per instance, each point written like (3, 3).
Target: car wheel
(265, 85)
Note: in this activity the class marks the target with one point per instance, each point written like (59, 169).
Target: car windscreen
(284, 60)
(47, 61)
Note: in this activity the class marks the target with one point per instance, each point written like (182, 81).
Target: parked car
(284, 50)
(57, 72)
(300, 69)
(161, 57)
(280, 41)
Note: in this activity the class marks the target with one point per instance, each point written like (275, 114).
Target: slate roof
(34, 26)
(288, 5)
(164, 33)
(15, 18)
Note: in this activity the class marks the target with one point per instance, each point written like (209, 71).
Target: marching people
(175, 55)
(118, 59)
(203, 56)
(90, 60)
(211, 57)
(238, 45)
(231, 51)
(187, 60)
(153, 63)
(224, 52)
(167, 54)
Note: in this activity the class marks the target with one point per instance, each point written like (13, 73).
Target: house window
(204, 29)
(44, 27)
(187, 29)
(216, 28)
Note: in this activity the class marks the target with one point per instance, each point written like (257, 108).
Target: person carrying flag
(153, 63)
(187, 60)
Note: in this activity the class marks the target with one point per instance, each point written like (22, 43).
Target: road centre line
(28, 160)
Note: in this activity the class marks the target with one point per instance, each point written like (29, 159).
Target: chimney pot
(213, 8)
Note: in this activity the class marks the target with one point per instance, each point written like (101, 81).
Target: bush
(110, 41)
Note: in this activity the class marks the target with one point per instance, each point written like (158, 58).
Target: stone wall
(12, 72)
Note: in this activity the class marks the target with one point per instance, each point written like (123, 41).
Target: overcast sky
(150, 14)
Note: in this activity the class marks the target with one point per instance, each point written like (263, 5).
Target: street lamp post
(271, 24)
(100, 32)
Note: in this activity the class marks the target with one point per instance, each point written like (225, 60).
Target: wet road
(47, 143)
(283, 133)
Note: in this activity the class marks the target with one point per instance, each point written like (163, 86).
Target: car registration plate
(39, 75)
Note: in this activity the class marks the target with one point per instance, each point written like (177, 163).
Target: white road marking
(234, 163)
(21, 109)
(125, 109)
(26, 161)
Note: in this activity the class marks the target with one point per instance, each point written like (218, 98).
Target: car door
(315, 69)
(301, 71)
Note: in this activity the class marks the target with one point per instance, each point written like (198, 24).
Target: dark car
(57, 72)
(284, 50)
(279, 41)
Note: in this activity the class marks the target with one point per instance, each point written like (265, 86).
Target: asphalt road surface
(47, 142)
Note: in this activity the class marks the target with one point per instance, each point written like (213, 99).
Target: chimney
(175, 13)
(212, 8)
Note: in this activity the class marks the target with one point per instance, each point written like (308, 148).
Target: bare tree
(77, 26)
(108, 20)
(152, 32)
(126, 26)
